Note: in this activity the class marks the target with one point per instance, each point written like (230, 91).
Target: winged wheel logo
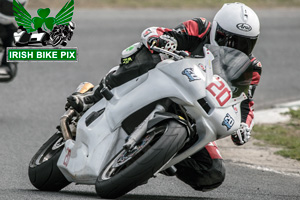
(51, 30)
(23, 18)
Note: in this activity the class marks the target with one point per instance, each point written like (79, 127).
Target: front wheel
(43, 171)
(45, 39)
(129, 169)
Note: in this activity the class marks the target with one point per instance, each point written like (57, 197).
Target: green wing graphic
(22, 17)
(64, 16)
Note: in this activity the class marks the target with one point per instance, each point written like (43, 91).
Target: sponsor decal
(244, 27)
(202, 67)
(130, 48)
(235, 109)
(67, 158)
(228, 122)
(189, 72)
(43, 30)
(127, 60)
(147, 32)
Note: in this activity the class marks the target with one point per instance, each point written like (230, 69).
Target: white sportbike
(140, 128)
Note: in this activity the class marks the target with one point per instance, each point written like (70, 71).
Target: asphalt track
(31, 105)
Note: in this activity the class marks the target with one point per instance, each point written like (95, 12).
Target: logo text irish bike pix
(34, 34)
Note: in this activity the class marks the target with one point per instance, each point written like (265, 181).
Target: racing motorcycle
(147, 125)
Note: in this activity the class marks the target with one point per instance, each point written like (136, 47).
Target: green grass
(194, 4)
(285, 135)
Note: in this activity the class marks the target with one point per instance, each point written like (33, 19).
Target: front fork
(140, 131)
(65, 121)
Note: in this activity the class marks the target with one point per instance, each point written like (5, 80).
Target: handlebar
(177, 55)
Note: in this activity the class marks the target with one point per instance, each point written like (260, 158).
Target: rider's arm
(188, 34)
(244, 132)
(191, 33)
(247, 105)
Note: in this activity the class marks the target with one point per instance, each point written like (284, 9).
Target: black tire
(45, 39)
(43, 171)
(64, 43)
(44, 42)
(142, 165)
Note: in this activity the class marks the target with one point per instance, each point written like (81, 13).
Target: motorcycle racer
(235, 25)
(63, 31)
(7, 28)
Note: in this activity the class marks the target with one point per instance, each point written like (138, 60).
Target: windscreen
(233, 66)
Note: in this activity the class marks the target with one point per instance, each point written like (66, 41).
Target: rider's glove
(164, 41)
(242, 135)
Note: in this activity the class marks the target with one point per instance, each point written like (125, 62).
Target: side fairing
(188, 82)
(82, 160)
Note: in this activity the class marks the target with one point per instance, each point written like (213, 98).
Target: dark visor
(242, 43)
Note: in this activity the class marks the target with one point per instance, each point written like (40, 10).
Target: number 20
(221, 92)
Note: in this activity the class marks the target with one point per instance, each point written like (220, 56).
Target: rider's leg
(142, 62)
(204, 170)
(7, 70)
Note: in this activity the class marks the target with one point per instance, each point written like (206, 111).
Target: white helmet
(235, 25)
(71, 25)
(6, 11)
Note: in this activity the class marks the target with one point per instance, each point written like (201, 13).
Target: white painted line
(276, 114)
(268, 169)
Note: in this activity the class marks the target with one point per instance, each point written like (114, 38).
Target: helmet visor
(242, 43)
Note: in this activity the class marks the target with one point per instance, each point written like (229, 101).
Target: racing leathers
(7, 70)
(191, 36)
(205, 169)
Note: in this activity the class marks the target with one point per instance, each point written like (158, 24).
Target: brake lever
(164, 51)
(182, 53)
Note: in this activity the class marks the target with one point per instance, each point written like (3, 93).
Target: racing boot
(84, 97)
(81, 100)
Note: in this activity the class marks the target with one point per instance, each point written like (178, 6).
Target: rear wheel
(129, 169)
(43, 171)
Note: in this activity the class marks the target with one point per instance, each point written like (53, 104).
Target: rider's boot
(81, 101)
(84, 97)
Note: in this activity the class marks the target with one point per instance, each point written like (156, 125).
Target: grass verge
(192, 4)
(285, 135)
